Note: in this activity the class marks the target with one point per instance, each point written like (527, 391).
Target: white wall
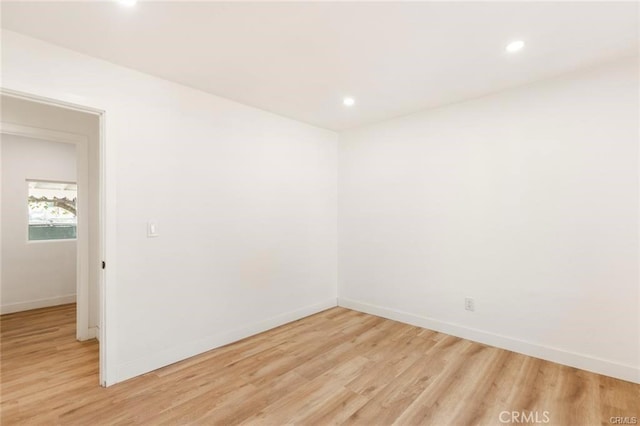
(245, 200)
(526, 201)
(41, 116)
(41, 273)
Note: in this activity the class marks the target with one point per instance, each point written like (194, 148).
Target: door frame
(105, 206)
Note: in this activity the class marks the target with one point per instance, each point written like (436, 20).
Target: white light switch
(152, 229)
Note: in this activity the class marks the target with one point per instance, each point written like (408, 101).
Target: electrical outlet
(469, 304)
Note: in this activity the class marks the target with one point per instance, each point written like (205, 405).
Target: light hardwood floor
(336, 367)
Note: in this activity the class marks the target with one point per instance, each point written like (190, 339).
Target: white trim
(560, 356)
(49, 101)
(59, 240)
(179, 352)
(10, 308)
(106, 280)
(40, 133)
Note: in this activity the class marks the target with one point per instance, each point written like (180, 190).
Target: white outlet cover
(469, 304)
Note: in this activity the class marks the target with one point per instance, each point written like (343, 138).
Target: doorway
(76, 222)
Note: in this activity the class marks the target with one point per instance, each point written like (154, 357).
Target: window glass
(52, 210)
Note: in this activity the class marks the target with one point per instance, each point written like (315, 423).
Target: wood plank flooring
(335, 367)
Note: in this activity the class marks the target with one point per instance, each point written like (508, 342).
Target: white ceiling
(300, 59)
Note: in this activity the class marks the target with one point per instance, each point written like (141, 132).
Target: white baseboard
(178, 353)
(572, 359)
(10, 308)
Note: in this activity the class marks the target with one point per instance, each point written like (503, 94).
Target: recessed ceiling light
(514, 46)
(348, 101)
(128, 3)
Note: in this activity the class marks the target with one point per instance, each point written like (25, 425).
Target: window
(52, 210)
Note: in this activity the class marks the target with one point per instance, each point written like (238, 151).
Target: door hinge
(104, 265)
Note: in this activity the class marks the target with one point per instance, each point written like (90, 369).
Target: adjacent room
(313, 213)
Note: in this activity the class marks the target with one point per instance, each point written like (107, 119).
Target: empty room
(316, 213)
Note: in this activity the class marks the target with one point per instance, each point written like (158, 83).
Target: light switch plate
(152, 229)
